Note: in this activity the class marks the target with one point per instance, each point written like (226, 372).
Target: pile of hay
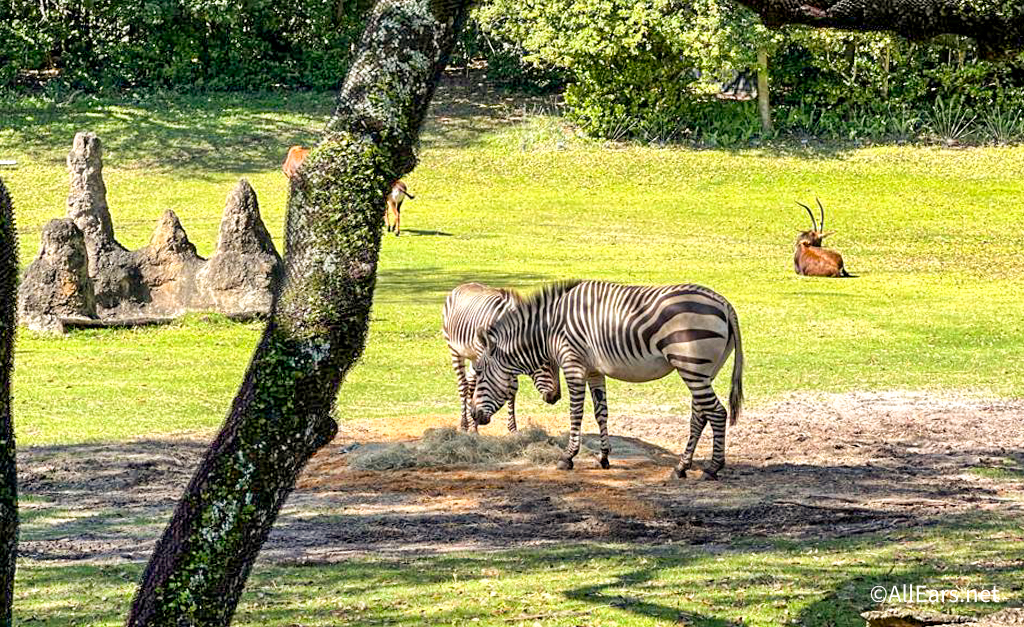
(450, 447)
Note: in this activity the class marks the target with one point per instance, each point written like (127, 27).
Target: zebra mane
(511, 294)
(549, 293)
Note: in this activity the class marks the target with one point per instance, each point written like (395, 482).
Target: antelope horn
(814, 224)
(822, 212)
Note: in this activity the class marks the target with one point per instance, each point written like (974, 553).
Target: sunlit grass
(765, 583)
(932, 234)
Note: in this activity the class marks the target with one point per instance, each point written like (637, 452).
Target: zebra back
(470, 309)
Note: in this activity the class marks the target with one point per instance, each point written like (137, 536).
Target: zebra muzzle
(481, 417)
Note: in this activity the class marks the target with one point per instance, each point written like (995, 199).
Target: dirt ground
(805, 467)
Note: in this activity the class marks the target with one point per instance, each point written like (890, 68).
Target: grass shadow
(431, 284)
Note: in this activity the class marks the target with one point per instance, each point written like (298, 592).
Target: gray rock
(85, 277)
(168, 267)
(115, 277)
(87, 200)
(57, 285)
(240, 277)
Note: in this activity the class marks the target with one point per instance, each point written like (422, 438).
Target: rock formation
(239, 277)
(82, 273)
(57, 285)
(167, 268)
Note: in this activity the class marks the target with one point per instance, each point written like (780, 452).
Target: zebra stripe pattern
(593, 330)
(469, 311)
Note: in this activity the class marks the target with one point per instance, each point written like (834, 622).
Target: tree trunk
(764, 106)
(850, 54)
(282, 413)
(885, 71)
(997, 25)
(8, 469)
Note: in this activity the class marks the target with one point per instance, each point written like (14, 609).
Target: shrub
(951, 120)
(190, 44)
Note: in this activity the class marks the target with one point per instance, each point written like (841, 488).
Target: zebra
(473, 307)
(593, 330)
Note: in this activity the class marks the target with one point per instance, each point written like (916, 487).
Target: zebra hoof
(564, 464)
(710, 476)
(604, 462)
(679, 472)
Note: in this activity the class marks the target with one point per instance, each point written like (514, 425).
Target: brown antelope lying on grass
(809, 258)
(399, 192)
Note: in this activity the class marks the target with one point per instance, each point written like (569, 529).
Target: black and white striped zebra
(469, 309)
(594, 330)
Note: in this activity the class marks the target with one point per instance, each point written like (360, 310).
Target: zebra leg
(577, 393)
(470, 389)
(600, 397)
(697, 422)
(716, 416)
(464, 392)
(514, 389)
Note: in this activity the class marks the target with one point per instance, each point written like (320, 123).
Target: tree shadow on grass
(431, 284)
(815, 584)
(101, 506)
(215, 133)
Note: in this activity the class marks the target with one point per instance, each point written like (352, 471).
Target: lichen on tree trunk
(8, 469)
(317, 329)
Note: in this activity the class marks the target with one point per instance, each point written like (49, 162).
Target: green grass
(1005, 469)
(768, 583)
(931, 232)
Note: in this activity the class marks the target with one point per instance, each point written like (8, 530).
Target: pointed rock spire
(82, 271)
(168, 267)
(87, 199)
(241, 276)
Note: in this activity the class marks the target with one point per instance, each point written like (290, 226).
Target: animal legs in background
(393, 213)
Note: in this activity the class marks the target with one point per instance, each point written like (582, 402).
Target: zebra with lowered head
(469, 309)
(593, 330)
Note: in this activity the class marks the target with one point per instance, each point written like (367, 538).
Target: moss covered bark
(997, 25)
(8, 469)
(317, 330)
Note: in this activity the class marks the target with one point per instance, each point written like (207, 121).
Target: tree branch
(997, 25)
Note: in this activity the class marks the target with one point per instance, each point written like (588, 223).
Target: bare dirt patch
(804, 467)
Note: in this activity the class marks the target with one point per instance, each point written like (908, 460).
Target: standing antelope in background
(469, 310)
(593, 330)
(398, 193)
(393, 213)
(809, 258)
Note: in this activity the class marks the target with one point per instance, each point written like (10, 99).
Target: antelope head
(817, 232)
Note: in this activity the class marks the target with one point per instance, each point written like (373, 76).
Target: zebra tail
(736, 392)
